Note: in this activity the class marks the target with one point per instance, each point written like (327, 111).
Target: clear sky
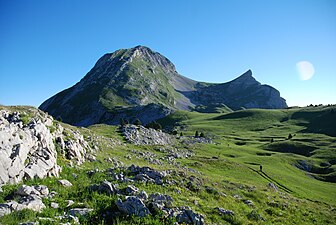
(47, 46)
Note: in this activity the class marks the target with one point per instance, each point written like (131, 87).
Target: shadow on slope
(288, 146)
(324, 171)
(318, 120)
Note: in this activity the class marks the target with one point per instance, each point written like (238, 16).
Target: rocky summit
(138, 83)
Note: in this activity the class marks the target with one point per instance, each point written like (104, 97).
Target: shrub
(196, 134)
(137, 122)
(155, 125)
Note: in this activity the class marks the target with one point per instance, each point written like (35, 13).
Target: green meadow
(296, 148)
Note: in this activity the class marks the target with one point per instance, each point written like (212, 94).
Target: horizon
(48, 47)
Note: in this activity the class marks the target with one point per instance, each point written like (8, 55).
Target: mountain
(140, 83)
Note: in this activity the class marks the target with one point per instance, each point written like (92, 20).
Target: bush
(196, 134)
(137, 122)
(122, 122)
(155, 125)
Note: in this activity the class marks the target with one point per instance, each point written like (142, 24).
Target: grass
(224, 173)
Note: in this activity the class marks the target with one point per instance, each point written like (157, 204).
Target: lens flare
(305, 69)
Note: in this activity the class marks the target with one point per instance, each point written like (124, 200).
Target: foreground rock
(30, 197)
(133, 206)
(80, 211)
(65, 183)
(27, 145)
(186, 215)
(156, 203)
(147, 174)
(26, 150)
(223, 211)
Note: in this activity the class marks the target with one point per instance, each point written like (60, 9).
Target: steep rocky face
(140, 83)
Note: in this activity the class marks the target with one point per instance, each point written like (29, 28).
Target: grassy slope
(240, 140)
(242, 137)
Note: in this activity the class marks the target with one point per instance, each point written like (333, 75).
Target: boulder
(39, 190)
(131, 190)
(147, 174)
(166, 200)
(133, 206)
(108, 188)
(32, 202)
(54, 205)
(29, 223)
(223, 211)
(69, 203)
(142, 195)
(5, 209)
(65, 183)
(186, 215)
(248, 202)
(79, 211)
(273, 187)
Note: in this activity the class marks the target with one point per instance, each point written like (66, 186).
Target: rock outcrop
(138, 83)
(30, 197)
(26, 150)
(133, 206)
(140, 135)
(27, 145)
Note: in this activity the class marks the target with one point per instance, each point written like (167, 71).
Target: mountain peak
(247, 73)
(246, 79)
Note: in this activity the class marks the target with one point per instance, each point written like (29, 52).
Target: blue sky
(47, 46)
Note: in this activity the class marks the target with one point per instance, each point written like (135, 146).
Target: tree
(122, 122)
(155, 125)
(181, 134)
(174, 132)
(290, 136)
(202, 135)
(137, 122)
(196, 134)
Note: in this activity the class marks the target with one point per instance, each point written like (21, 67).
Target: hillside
(211, 180)
(138, 83)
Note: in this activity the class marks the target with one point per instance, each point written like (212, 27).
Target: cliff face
(242, 92)
(140, 83)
